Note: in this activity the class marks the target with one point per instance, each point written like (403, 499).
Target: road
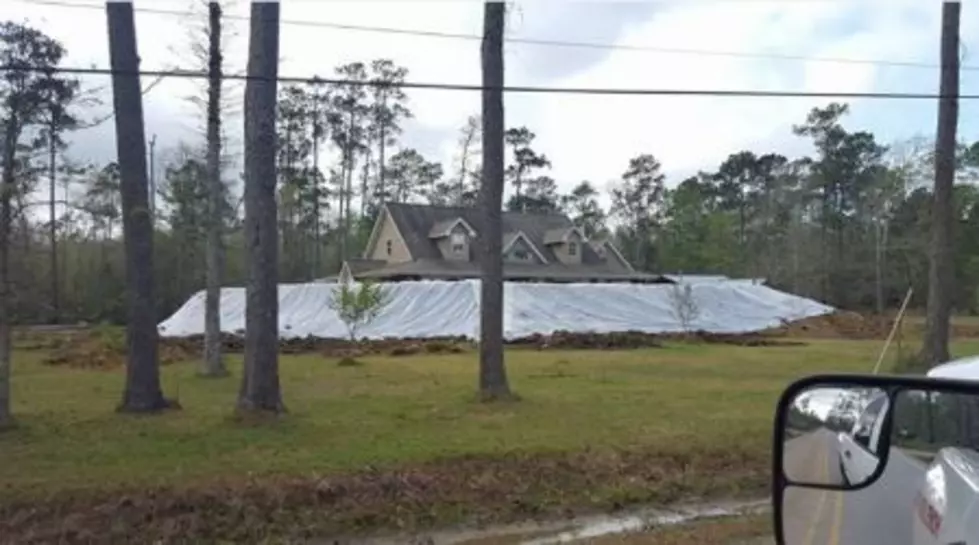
(880, 514)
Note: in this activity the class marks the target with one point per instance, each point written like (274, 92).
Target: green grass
(402, 410)
(402, 443)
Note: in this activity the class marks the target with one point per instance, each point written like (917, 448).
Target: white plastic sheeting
(437, 309)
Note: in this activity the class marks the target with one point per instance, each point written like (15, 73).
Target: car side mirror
(875, 460)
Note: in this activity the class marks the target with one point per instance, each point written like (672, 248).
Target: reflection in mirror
(927, 491)
(833, 435)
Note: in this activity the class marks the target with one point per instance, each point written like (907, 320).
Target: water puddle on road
(572, 530)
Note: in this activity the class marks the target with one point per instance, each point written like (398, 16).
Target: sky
(737, 45)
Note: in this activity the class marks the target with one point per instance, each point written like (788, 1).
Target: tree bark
(142, 392)
(317, 128)
(260, 380)
(381, 181)
(53, 231)
(213, 362)
(879, 266)
(934, 349)
(348, 190)
(6, 193)
(463, 165)
(493, 382)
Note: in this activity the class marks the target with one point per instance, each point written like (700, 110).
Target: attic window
(388, 246)
(520, 253)
(458, 243)
(572, 248)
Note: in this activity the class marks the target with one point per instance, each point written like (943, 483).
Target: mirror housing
(926, 428)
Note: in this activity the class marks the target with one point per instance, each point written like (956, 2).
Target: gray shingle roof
(439, 269)
(415, 222)
(554, 236)
(442, 228)
(359, 265)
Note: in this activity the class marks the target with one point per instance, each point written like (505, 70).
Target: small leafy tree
(358, 306)
(684, 305)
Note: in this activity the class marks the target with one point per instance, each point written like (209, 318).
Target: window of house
(520, 253)
(458, 243)
(388, 246)
(572, 248)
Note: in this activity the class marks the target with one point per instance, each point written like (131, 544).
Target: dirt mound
(562, 340)
(639, 339)
(573, 340)
(836, 325)
(964, 330)
(102, 348)
(334, 348)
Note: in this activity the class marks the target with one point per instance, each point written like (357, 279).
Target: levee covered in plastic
(441, 309)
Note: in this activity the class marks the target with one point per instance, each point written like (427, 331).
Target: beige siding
(450, 253)
(521, 252)
(564, 250)
(388, 238)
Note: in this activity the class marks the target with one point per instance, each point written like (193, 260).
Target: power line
(533, 41)
(316, 80)
(112, 114)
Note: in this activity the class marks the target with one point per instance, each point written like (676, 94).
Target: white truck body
(859, 448)
(946, 507)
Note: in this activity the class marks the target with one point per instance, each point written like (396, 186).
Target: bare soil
(105, 348)
(476, 490)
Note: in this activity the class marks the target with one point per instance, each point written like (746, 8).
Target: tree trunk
(364, 191)
(213, 363)
(934, 350)
(381, 182)
(53, 233)
(878, 267)
(348, 190)
(6, 193)
(342, 219)
(463, 164)
(493, 382)
(142, 393)
(260, 379)
(315, 269)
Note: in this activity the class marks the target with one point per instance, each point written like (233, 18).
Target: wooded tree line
(847, 224)
(755, 213)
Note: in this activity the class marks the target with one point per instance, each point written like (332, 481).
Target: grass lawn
(697, 412)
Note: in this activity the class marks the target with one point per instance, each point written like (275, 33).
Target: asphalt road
(880, 514)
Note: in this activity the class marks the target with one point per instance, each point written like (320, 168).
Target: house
(416, 242)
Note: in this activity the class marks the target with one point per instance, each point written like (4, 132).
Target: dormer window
(572, 247)
(458, 243)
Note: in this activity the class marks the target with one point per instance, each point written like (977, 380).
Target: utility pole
(941, 277)
(493, 384)
(153, 178)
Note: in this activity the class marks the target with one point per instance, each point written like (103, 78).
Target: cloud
(590, 137)
(586, 137)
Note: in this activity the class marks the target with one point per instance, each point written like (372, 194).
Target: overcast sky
(586, 137)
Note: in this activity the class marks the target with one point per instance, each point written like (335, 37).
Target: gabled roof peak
(443, 228)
